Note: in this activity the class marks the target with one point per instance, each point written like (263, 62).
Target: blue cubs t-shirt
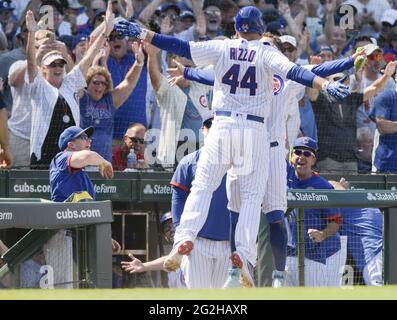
(65, 180)
(133, 110)
(99, 115)
(217, 225)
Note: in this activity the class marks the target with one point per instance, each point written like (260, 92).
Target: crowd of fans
(59, 77)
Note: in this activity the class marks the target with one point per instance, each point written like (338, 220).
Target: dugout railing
(384, 199)
(90, 222)
(150, 192)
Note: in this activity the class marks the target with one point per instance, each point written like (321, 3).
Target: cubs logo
(245, 27)
(305, 140)
(278, 84)
(203, 101)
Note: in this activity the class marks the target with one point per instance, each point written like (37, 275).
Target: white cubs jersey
(243, 73)
(287, 94)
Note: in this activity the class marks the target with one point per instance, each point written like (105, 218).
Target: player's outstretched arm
(167, 43)
(137, 266)
(303, 76)
(335, 66)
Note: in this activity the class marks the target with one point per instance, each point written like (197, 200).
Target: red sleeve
(180, 186)
(70, 169)
(336, 218)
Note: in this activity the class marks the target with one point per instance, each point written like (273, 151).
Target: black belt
(248, 116)
(273, 144)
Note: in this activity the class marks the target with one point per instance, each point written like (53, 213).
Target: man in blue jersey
(67, 173)
(384, 114)
(363, 228)
(67, 176)
(324, 258)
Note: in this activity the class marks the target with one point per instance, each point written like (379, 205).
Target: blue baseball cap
(5, 6)
(186, 14)
(77, 39)
(72, 133)
(167, 6)
(306, 142)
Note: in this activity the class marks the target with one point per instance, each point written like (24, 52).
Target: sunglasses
(98, 82)
(306, 153)
(289, 49)
(212, 13)
(137, 140)
(57, 64)
(377, 56)
(83, 136)
(387, 25)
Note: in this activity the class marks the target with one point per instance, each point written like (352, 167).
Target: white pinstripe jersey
(243, 73)
(287, 94)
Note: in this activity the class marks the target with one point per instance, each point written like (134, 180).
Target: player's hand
(116, 248)
(345, 184)
(6, 159)
(360, 52)
(176, 74)
(316, 235)
(133, 266)
(106, 170)
(129, 29)
(337, 90)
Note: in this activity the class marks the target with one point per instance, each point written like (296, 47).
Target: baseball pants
(207, 265)
(241, 144)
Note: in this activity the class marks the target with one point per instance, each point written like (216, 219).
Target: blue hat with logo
(72, 133)
(186, 14)
(166, 6)
(5, 6)
(306, 142)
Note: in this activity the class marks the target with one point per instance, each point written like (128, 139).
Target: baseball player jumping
(243, 89)
(275, 202)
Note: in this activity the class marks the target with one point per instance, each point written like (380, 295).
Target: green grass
(360, 293)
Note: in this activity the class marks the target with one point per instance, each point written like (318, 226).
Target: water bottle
(131, 159)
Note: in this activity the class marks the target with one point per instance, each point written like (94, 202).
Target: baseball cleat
(174, 259)
(278, 279)
(246, 270)
(233, 279)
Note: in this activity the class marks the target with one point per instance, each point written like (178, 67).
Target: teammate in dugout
(275, 202)
(363, 228)
(67, 174)
(243, 88)
(325, 257)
